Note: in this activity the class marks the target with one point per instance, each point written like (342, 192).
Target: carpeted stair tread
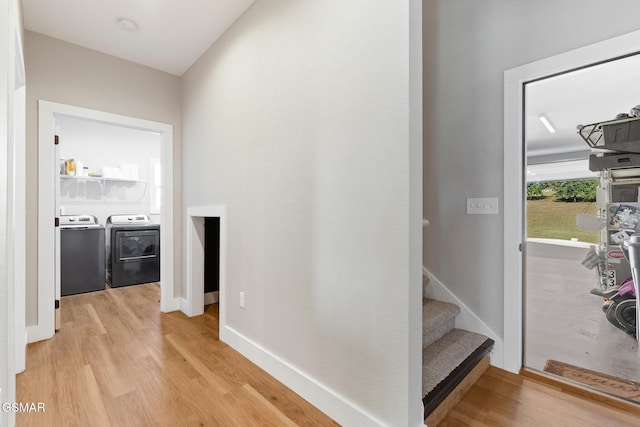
(438, 319)
(445, 355)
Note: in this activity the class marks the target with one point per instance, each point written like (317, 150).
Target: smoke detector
(127, 24)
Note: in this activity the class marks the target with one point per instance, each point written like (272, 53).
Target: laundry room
(108, 204)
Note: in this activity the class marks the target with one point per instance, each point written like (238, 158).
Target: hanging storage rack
(618, 135)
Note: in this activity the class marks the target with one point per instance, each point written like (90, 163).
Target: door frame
(48, 266)
(515, 80)
(18, 184)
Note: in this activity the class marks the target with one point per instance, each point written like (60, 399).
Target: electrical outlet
(241, 299)
(482, 205)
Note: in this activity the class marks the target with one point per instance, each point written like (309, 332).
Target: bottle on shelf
(70, 167)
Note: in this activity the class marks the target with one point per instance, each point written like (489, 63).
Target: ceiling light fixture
(547, 124)
(127, 24)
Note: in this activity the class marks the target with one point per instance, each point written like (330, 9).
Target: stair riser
(457, 394)
(438, 319)
(433, 334)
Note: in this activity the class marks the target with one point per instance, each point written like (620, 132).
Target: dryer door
(136, 246)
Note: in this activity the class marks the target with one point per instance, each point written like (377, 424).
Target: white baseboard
(185, 307)
(21, 354)
(342, 410)
(37, 333)
(170, 304)
(211, 297)
(467, 319)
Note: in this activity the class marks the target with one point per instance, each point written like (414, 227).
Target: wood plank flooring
(118, 361)
(502, 399)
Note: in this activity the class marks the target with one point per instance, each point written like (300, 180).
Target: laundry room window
(155, 182)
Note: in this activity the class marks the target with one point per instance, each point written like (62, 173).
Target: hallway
(118, 361)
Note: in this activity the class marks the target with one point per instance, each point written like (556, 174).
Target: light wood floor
(117, 361)
(502, 399)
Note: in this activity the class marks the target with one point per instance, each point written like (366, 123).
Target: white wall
(297, 120)
(68, 74)
(467, 47)
(99, 145)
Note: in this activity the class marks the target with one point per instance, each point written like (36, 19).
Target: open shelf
(98, 178)
(80, 189)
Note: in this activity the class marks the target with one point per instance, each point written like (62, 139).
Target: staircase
(452, 359)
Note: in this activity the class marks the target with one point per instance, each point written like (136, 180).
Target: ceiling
(171, 34)
(590, 95)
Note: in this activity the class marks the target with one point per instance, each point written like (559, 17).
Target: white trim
(153, 186)
(193, 303)
(19, 213)
(46, 213)
(415, 415)
(20, 76)
(558, 242)
(208, 298)
(184, 306)
(168, 301)
(194, 298)
(514, 151)
(37, 333)
(342, 410)
(45, 327)
(9, 82)
(467, 319)
(170, 304)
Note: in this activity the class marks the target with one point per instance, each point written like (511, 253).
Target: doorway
(211, 260)
(48, 235)
(194, 301)
(568, 331)
(515, 81)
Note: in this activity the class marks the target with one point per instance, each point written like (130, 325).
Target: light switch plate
(482, 205)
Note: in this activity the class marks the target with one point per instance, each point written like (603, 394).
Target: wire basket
(592, 135)
(617, 135)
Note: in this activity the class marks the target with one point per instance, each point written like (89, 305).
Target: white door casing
(48, 173)
(19, 208)
(193, 302)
